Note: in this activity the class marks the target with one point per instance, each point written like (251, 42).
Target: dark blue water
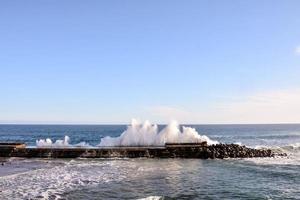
(78, 133)
(246, 134)
(257, 178)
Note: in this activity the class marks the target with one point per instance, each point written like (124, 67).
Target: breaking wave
(152, 198)
(147, 134)
(139, 134)
(59, 143)
(295, 147)
(55, 177)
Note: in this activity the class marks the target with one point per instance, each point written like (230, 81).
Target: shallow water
(255, 178)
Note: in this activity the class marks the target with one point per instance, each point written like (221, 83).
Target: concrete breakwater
(170, 150)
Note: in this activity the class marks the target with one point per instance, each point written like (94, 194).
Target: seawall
(179, 150)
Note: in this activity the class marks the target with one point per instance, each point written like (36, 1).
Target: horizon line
(125, 124)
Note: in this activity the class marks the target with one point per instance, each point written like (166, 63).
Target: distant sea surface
(255, 178)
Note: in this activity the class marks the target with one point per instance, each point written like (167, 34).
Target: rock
(179, 150)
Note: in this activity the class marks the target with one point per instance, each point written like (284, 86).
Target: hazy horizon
(125, 124)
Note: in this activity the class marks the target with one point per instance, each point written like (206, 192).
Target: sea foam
(140, 134)
(147, 134)
(59, 143)
(48, 142)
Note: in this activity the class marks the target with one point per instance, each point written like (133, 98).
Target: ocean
(252, 178)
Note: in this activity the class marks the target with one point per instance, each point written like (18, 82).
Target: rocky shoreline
(220, 151)
(237, 151)
(170, 150)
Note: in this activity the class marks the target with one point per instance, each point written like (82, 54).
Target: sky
(105, 62)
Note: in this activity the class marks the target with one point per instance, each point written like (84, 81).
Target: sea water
(253, 178)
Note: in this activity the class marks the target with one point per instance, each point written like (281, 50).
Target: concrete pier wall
(188, 150)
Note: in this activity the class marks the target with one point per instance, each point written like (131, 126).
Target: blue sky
(108, 61)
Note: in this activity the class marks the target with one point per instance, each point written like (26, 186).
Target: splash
(147, 134)
(139, 134)
(59, 143)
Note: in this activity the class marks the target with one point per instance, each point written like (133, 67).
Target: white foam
(59, 143)
(147, 134)
(139, 134)
(238, 143)
(152, 198)
(292, 158)
(48, 142)
(57, 177)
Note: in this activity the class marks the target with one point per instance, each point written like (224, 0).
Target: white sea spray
(147, 134)
(59, 143)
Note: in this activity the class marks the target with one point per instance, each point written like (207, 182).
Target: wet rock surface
(221, 151)
(238, 151)
(188, 150)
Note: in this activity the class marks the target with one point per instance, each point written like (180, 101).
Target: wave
(294, 147)
(152, 198)
(55, 177)
(139, 134)
(147, 134)
(59, 143)
(291, 150)
(292, 158)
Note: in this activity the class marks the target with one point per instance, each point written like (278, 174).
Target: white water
(48, 142)
(139, 134)
(59, 143)
(56, 177)
(147, 134)
(292, 158)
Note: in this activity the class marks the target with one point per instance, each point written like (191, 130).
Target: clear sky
(202, 61)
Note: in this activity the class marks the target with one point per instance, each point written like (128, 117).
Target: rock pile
(237, 151)
(220, 151)
(171, 150)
